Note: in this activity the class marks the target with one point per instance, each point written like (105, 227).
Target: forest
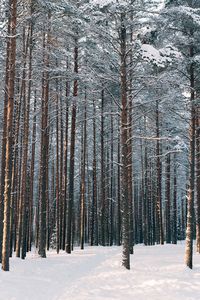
(99, 126)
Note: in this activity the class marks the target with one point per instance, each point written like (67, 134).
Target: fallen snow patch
(157, 272)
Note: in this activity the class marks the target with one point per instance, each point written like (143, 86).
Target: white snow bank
(157, 272)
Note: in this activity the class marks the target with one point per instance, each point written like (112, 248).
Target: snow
(159, 56)
(152, 54)
(102, 3)
(187, 11)
(157, 272)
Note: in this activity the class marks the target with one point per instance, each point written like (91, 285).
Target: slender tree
(72, 154)
(124, 151)
(11, 52)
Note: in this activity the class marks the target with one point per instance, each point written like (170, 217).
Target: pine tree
(10, 81)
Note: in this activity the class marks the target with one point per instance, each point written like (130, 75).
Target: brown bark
(118, 235)
(66, 164)
(103, 192)
(159, 219)
(82, 229)
(61, 176)
(112, 200)
(21, 232)
(174, 211)
(168, 199)
(44, 146)
(124, 147)
(190, 198)
(70, 220)
(9, 119)
(94, 221)
(32, 172)
(145, 202)
(58, 204)
(3, 151)
(198, 178)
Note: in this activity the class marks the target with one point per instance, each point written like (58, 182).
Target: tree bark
(103, 195)
(174, 212)
(82, 231)
(167, 199)
(159, 219)
(94, 220)
(190, 198)
(72, 155)
(44, 146)
(9, 120)
(124, 147)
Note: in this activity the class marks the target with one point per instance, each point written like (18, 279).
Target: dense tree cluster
(100, 125)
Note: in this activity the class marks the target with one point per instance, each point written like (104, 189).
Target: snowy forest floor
(157, 272)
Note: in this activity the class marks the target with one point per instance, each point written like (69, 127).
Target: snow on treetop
(102, 3)
(159, 56)
(189, 12)
(152, 54)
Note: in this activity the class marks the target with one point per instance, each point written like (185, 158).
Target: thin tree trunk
(168, 199)
(159, 219)
(94, 221)
(9, 120)
(103, 196)
(66, 164)
(198, 178)
(44, 147)
(61, 175)
(174, 217)
(32, 172)
(58, 204)
(118, 236)
(82, 231)
(70, 220)
(190, 198)
(112, 201)
(3, 152)
(124, 152)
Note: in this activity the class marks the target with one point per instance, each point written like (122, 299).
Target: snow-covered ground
(157, 272)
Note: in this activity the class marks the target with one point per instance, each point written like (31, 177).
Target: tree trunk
(167, 199)
(174, 215)
(44, 147)
(124, 147)
(103, 196)
(82, 231)
(94, 221)
(58, 204)
(32, 171)
(65, 194)
(159, 219)
(72, 156)
(11, 52)
(118, 235)
(112, 198)
(190, 198)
